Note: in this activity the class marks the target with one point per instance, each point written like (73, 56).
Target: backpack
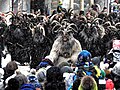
(27, 87)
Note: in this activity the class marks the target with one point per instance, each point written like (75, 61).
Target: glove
(45, 62)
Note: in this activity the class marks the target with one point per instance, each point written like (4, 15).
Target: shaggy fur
(70, 49)
(65, 47)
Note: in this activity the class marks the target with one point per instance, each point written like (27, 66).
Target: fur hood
(87, 82)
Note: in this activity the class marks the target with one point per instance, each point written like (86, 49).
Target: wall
(4, 5)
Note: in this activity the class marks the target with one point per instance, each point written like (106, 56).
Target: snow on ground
(23, 69)
(7, 59)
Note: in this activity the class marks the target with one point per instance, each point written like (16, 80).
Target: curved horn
(117, 25)
(56, 28)
(19, 14)
(64, 20)
(96, 19)
(108, 23)
(51, 19)
(73, 27)
(42, 29)
(112, 28)
(64, 10)
(33, 15)
(10, 13)
(70, 11)
(54, 22)
(31, 26)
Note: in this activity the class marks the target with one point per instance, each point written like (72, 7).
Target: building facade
(49, 5)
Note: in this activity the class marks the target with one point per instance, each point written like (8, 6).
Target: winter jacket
(81, 87)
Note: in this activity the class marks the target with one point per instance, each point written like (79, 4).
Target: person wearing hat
(32, 79)
(96, 62)
(59, 7)
(83, 57)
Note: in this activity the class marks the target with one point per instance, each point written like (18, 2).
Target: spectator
(69, 79)
(88, 83)
(27, 87)
(12, 76)
(59, 7)
(84, 56)
(41, 74)
(54, 79)
(63, 64)
(22, 79)
(109, 85)
(96, 62)
(32, 78)
(23, 82)
(9, 69)
(67, 69)
(13, 84)
(116, 75)
(54, 12)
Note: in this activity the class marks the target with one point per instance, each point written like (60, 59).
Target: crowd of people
(86, 74)
(89, 72)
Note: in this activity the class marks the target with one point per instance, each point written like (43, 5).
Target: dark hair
(12, 65)
(76, 84)
(55, 86)
(54, 79)
(87, 83)
(54, 74)
(13, 84)
(9, 69)
(21, 78)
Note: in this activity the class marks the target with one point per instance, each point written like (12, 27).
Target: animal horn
(56, 28)
(10, 13)
(31, 26)
(96, 19)
(117, 25)
(52, 18)
(70, 11)
(73, 27)
(54, 22)
(42, 29)
(19, 13)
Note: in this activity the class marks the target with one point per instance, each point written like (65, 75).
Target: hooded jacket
(88, 80)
